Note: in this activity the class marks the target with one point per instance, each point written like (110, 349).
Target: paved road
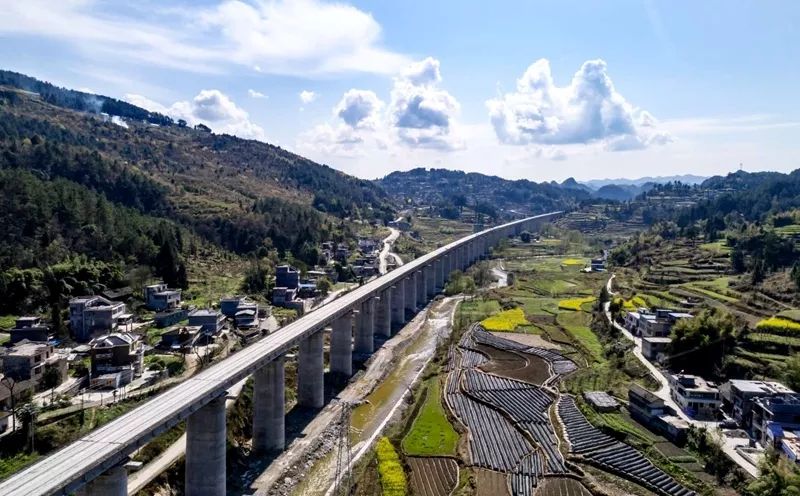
(728, 444)
(387, 247)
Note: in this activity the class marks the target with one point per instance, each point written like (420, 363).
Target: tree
(482, 274)
(737, 259)
(796, 275)
(700, 344)
(324, 285)
(51, 378)
(778, 477)
(525, 237)
(257, 278)
(27, 414)
(791, 373)
(10, 384)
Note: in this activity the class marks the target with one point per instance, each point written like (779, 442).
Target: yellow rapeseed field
(507, 320)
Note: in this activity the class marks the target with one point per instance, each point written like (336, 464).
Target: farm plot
(561, 486)
(526, 405)
(490, 482)
(559, 363)
(433, 476)
(493, 442)
(471, 359)
(612, 455)
(524, 478)
(523, 367)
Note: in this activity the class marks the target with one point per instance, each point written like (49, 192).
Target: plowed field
(433, 476)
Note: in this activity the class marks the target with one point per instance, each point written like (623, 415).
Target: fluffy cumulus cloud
(588, 110)
(210, 107)
(296, 37)
(307, 96)
(359, 109)
(420, 111)
(419, 115)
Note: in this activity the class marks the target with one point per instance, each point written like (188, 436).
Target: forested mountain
(448, 188)
(79, 189)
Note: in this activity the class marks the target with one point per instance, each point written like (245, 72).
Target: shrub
(393, 479)
(507, 320)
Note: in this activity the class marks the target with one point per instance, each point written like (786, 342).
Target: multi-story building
(772, 415)
(30, 328)
(159, 297)
(94, 314)
(27, 361)
(738, 396)
(646, 323)
(116, 359)
(694, 395)
(286, 276)
(210, 321)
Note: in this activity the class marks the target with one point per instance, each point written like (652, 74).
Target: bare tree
(10, 384)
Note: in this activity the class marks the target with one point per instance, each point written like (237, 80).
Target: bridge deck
(83, 460)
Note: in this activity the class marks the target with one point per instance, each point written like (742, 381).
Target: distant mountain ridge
(596, 184)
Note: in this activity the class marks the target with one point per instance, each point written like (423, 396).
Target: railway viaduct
(95, 464)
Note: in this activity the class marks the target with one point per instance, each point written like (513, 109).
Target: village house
(27, 361)
(116, 359)
(210, 321)
(773, 415)
(651, 411)
(695, 396)
(738, 397)
(283, 297)
(94, 314)
(30, 328)
(646, 323)
(179, 338)
(655, 348)
(400, 223)
(159, 297)
(286, 276)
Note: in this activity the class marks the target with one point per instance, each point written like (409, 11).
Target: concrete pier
(113, 482)
(383, 318)
(410, 306)
(310, 372)
(364, 336)
(438, 280)
(430, 281)
(206, 437)
(398, 304)
(422, 290)
(342, 345)
(269, 389)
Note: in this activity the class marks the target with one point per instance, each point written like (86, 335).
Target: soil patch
(490, 482)
(522, 367)
(528, 340)
(562, 486)
(432, 476)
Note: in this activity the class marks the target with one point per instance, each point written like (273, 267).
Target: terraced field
(611, 455)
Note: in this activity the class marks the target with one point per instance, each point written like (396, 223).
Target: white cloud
(420, 115)
(422, 112)
(210, 107)
(307, 96)
(359, 108)
(588, 110)
(296, 37)
(256, 94)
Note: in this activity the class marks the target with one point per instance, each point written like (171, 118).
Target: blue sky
(538, 90)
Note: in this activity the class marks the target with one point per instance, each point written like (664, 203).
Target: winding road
(729, 444)
(386, 251)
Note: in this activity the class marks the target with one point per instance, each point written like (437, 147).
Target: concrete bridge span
(93, 465)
